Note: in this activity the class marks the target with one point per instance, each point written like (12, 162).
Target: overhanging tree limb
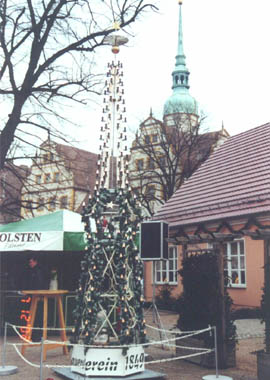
(36, 36)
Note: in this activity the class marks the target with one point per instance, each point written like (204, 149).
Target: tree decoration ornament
(109, 299)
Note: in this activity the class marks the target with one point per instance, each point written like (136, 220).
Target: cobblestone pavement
(249, 328)
(250, 333)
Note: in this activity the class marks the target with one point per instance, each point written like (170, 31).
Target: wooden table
(44, 295)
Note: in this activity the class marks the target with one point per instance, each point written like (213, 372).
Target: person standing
(34, 279)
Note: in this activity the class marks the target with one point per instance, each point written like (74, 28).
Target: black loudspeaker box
(153, 240)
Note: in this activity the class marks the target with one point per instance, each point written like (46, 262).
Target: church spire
(180, 101)
(180, 73)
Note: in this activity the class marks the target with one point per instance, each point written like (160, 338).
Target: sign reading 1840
(107, 361)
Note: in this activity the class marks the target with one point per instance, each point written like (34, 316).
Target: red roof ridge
(235, 177)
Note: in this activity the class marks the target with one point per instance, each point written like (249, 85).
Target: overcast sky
(226, 43)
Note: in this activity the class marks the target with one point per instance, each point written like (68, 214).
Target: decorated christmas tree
(109, 308)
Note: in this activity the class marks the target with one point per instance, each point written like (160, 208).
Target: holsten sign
(107, 361)
(11, 241)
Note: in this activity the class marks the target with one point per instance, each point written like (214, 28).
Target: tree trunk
(221, 327)
(7, 134)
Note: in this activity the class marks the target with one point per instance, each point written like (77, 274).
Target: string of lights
(112, 164)
(109, 307)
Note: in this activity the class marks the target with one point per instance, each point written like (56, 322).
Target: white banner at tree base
(111, 361)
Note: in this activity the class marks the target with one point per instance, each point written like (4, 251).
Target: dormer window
(64, 202)
(151, 164)
(56, 177)
(47, 177)
(162, 161)
(139, 164)
(150, 192)
(41, 204)
(46, 157)
(154, 138)
(147, 139)
(52, 203)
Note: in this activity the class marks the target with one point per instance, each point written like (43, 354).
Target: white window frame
(167, 269)
(236, 263)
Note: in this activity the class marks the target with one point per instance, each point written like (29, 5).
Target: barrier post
(214, 377)
(6, 370)
(41, 358)
(4, 346)
(216, 353)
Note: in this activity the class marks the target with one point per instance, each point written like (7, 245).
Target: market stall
(58, 231)
(58, 241)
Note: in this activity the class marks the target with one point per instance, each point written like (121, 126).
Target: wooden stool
(44, 295)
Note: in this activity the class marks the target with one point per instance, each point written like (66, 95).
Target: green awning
(58, 231)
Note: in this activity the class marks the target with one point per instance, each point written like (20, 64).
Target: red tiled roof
(234, 181)
(82, 163)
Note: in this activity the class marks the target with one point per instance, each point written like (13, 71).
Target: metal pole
(9, 369)
(267, 293)
(4, 346)
(41, 358)
(216, 354)
(154, 291)
(221, 323)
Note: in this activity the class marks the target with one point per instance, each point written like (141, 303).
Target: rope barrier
(160, 342)
(202, 351)
(191, 348)
(36, 365)
(179, 357)
(23, 358)
(149, 326)
(180, 332)
(22, 337)
(39, 328)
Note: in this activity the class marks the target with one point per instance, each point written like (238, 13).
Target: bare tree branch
(163, 157)
(46, 46)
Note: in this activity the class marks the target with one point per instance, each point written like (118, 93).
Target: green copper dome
(180, 101)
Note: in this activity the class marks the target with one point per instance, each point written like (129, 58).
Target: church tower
(180, 102)
(159, 163)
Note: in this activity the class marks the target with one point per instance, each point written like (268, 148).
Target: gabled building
(227, 202)
(163, 157)
(165, 153)
(61, 177)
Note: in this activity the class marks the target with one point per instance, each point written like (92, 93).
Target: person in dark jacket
(34, 279)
